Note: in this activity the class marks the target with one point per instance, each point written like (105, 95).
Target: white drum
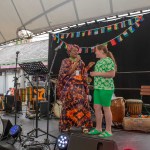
(57, 107)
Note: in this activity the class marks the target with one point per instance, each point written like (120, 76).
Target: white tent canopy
(43, 15)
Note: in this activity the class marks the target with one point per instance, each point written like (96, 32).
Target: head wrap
(70, 46)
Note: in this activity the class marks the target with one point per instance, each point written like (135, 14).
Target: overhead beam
(75, 9)
(47, 11)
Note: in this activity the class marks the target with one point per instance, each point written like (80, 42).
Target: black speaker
(8, 103)
(86, 142)
(43, 108)
(5, 126)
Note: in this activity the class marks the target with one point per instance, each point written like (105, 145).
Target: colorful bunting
(113, 42)
(83, 34)
(137, 24)
(125, 34)
(131, 29)
(109, 28)
(78, 34)
(116, 26)
(72, 35)
(129, 22)
(102, 29)
(95, 31)
(119, 38)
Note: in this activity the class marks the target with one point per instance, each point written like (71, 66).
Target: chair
(145, 91)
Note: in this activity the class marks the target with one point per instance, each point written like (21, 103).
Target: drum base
(140, 124)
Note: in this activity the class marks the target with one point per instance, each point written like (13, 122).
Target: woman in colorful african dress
(72, 90)
(103, 74)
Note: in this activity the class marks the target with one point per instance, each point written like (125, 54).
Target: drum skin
(57, 107)
(134, 107)
(118, 110)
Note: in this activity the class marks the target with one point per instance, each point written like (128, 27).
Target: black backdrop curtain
(132, 54)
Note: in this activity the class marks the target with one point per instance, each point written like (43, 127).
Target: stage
(129, 140)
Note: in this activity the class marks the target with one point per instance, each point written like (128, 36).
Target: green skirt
(103, 97)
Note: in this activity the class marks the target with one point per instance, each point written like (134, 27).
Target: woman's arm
(109, 74)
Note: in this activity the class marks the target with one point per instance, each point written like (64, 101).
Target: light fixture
(133, 13)
(145, 11)
(89, 22)
(14, 134)
(62, 141)
(123, 15)
(103, 19)
(113, 17)
(81, 24)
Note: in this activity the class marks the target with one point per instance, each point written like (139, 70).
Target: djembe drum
(134, 107)
(118, 110)
(22, 93)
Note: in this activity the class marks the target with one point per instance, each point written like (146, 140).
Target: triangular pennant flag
(113, 42)
(95, 31)
(78, 34)
(83, 34)
(109, 28)
(92, 49)
(116, 26)
(66, 45)
(123, 24)
(54, 38)
(57, 35)
(72, 34)
(62, 36)
(131, 29)
(137, 24)
(87, 50)
(136, 19)
(119, 38)
(129, 22)
(141, 18)
(102, 29)
(89, 32)
(67, 35)
(58, 40)
(125, 33)
(105, 44)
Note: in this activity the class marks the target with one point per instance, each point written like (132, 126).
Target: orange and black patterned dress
(72, 90)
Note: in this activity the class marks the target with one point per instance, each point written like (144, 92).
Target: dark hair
(108, 53)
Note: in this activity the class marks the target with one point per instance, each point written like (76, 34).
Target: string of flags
(119, 38)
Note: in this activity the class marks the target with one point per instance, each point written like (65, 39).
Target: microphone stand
(15, 86)
(49, 93)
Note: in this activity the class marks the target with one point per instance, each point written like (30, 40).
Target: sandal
(105, 134)
(94, 132)
(85, 130)
(65, 130)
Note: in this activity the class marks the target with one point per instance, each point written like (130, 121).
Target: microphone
(57, 48)
(17, 52)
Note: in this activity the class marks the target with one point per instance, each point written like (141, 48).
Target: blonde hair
(108, 53)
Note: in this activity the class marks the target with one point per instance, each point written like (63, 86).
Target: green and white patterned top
(104, 65)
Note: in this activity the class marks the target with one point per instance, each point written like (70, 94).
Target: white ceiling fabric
(43, 15)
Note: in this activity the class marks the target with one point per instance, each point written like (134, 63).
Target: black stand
(36, 68)
(15, 86)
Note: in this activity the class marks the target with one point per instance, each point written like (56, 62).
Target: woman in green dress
(103, 74)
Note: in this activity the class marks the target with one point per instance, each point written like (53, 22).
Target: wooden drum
(22, 93)
(118, 110)
(134, 107)
(29, 91)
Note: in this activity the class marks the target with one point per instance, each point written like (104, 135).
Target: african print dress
(72, 90)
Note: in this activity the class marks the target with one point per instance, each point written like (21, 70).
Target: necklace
(72, 59)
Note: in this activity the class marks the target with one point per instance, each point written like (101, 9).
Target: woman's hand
(91, 64)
